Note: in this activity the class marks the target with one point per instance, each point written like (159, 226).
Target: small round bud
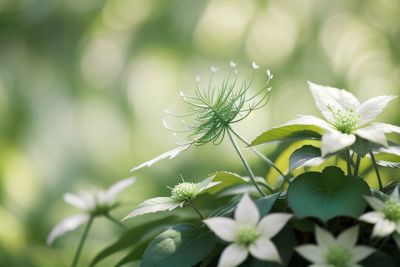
(392, 210)
(184, 191)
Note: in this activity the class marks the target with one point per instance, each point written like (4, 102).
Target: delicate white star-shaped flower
(335, 252)
(346, 118)
(386, 215)
(91, 203)
(248, 234)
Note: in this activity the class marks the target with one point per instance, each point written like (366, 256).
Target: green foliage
(305, 156)
(181, 245)
(327, 195)
(288, 133)
(135, 237)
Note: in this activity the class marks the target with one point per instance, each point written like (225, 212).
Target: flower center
(338, 256)
(246, 235)
(184, 191)
(346, 121)
(392, 210)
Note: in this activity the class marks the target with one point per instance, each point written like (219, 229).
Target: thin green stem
(267, 160)
(112, 219)
(82, 242)
(348, 159)
(196, 209)
(357, 166)
(378, 176)
(246, 165)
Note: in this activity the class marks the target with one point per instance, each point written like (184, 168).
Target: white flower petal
(254, 65)
(246, 211)
(66, 225)
(310, 120)
(349, 237)
(320, 265)
(324, 238)
(271, 224)
(375, 203)
(387, 128)
(233, 255)
(372, 108)
(75, 200)
(225, 228)
(395, 195)
(383, 228)
(312, 253)
(361, 252)
(116, 188)
(264, 249)
(372, 217)
(372, 133)
(335, 141)
(328, 97)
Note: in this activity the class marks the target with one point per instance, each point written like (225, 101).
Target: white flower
(232, 64)
(91, 203)
(335, 252)
(254, 65)
(386, 215)
(248, 234)
(346, 118)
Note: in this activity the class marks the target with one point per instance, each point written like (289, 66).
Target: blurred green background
(83, 86)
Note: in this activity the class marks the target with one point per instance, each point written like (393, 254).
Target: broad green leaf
(228, 179)
(288, 133)
(265, 204)
(182, 245)
(135, 236)
(306, 156)
(327, 195)
(170, 154)
(154, 205)
(227, 209)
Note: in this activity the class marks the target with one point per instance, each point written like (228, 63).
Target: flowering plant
(246, 220)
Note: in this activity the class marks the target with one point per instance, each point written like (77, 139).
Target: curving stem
(264, 158)
(378, 176)
(82, 242)
(246, 165)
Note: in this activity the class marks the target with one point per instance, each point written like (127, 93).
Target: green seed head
(338, 256)
(346, 121)
(184, 191)
(211, 109)
(247, 235)
(392, 210)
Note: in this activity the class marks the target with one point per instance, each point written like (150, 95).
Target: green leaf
(265, 204)
(305, 156)
(229, 179)
(134, 236)
(389, 164)
(154, 205)
(225, 179)
(288, 133)
(170, 155)
(180, 246)
(328, 194)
